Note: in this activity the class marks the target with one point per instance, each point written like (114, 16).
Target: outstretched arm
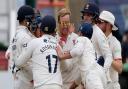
(61, 55)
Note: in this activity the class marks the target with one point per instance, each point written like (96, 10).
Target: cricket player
(66, 38)
(92, 74)
(103, 53)
(115, 46)
(37, 33)
(22, 77)
(45, 62)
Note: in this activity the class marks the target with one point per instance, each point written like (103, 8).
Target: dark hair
(91, 8)
(48, 24)
(24, 11)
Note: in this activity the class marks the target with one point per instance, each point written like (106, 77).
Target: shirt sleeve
(26, 54)
(78, 48)
(9, 50)
(117, 51)
(9, 47)
(25, 40)
(105, 50)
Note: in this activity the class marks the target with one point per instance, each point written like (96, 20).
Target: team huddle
(45, 58)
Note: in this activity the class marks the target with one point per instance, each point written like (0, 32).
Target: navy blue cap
(48, 24)
(86, 29)
(91, 8)
(25, 11)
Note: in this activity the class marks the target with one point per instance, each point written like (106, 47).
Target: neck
(23, 23)
(107, 33)
(65, 36)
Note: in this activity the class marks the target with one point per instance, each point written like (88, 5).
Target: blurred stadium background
(8, 9)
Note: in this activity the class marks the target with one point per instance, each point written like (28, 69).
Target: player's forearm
(65, 56)
(7, 54)
(22, 59)
(117, 65)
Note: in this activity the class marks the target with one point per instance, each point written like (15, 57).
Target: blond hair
(62, 13)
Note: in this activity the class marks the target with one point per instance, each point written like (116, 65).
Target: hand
(7, 55)
(71, 28)
(61, 43)
(73, 86)
(82, 86)
(59, 51)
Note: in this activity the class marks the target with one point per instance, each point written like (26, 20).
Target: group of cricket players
(42, 57)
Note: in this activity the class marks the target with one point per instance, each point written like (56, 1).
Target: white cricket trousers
(113, 85)
(94, 78)
(52, 86)
(20, 84)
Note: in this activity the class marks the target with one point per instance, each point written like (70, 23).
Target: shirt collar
(24, 28)
(95, 27)
(47, 35)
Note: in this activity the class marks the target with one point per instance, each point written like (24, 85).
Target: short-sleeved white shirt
(101, 46)
(116, 53)
(86, 53)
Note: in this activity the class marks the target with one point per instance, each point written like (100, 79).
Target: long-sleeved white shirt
(46, 65)
(101, 46)
(69, 67)
(17, 45)
(84, 50)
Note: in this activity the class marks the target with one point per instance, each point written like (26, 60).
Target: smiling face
(64, 24)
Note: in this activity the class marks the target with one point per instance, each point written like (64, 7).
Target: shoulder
(22, 33)
(74, 34)
(35, 42)
(80, 39)
(83, 39)
(115, 42)
(98, 32)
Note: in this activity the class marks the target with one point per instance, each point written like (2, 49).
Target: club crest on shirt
(45, 40)
(25, 45)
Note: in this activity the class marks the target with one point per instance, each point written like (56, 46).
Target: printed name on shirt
(46, 47)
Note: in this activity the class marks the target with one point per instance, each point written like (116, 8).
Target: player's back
(87, 58)
(46, 66)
